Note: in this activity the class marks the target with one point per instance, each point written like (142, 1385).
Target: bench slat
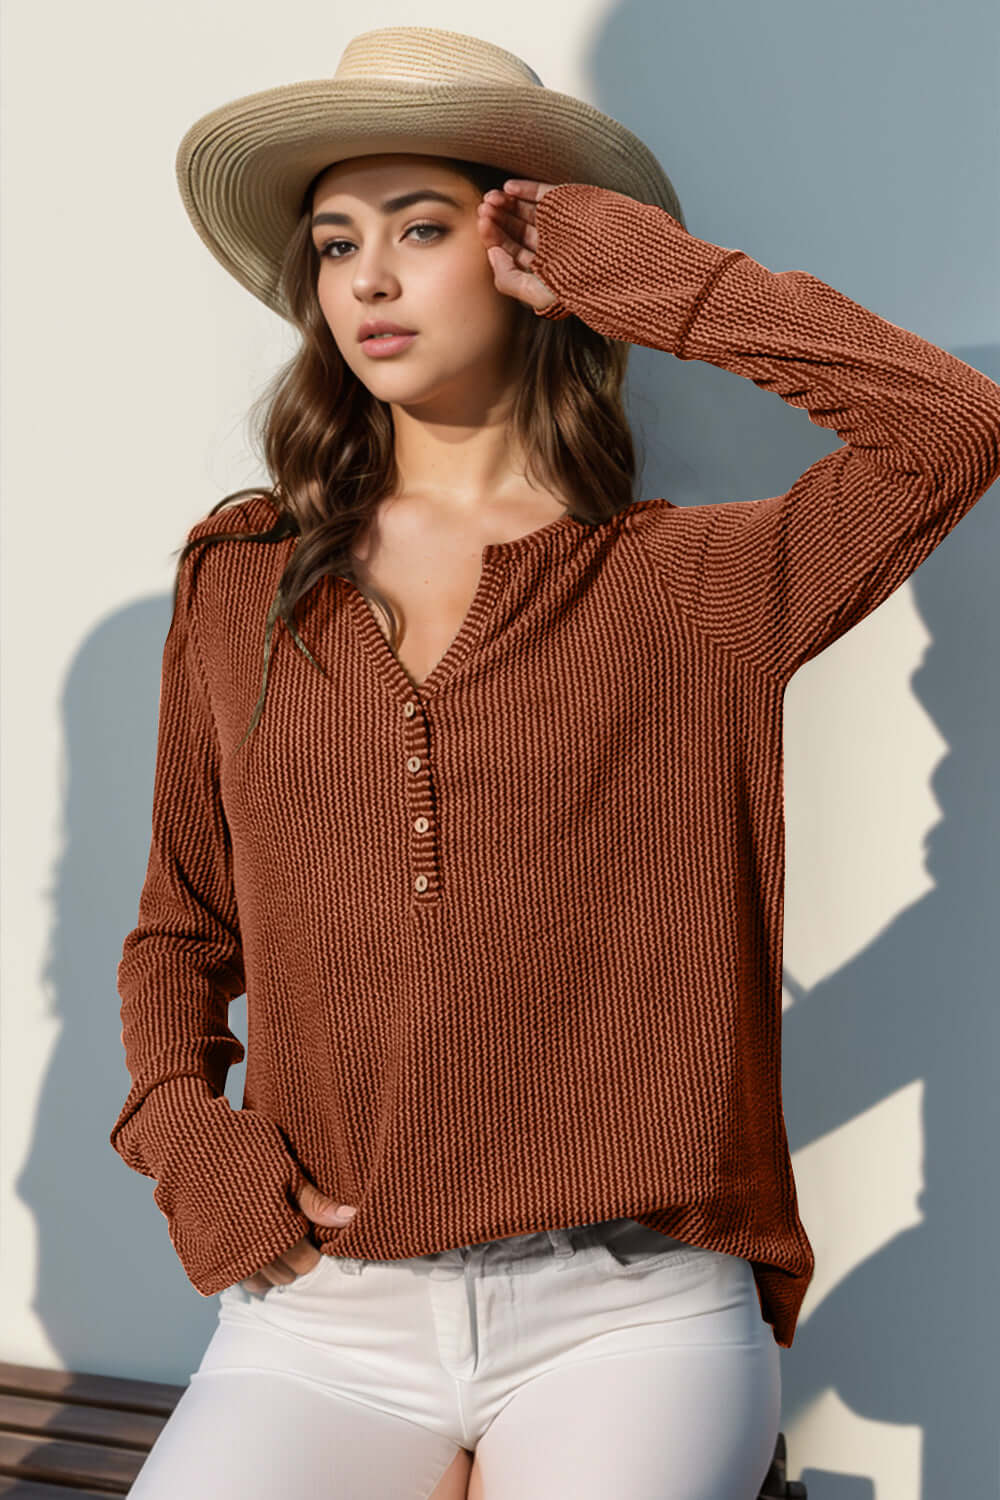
(81, 1424)
(112, 1470)
(13, 1488)
(157, 1398)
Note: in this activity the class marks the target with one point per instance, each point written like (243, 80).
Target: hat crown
(426, 54)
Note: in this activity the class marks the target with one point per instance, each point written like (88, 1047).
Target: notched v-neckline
(377, 643)
(384, 656)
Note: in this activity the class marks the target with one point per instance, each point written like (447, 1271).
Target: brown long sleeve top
(512, 942)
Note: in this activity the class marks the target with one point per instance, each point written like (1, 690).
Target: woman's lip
(377, 347)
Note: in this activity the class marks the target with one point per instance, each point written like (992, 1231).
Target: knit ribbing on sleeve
(783, 577)
(628, 269)
(223, 1176)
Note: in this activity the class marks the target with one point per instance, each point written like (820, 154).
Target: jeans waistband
(561, 1243)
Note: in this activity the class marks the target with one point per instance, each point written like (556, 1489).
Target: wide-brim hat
(244, 167)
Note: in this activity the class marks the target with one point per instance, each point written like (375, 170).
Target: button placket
(424, 875)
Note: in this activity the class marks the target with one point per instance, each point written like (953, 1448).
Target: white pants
(603, 1359)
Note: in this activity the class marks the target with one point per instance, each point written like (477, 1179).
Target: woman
(508, 1209)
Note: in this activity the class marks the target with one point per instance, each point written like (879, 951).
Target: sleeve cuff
(226, 1181)
(556, 309)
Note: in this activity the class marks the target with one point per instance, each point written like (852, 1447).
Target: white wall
(856, 142)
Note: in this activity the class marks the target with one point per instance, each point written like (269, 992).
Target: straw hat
(243, 168)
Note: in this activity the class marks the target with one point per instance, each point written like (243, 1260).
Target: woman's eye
(324, 250)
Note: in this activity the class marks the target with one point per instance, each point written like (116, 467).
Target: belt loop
(561, 1243)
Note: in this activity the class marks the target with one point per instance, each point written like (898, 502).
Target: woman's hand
(303, 1255)
(507, 228)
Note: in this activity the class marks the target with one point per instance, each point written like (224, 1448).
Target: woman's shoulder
(667, 527)
(234, 557)
(672, 539)
(254, 514)
(235, 535)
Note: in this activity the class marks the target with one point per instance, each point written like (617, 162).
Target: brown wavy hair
(327, 442)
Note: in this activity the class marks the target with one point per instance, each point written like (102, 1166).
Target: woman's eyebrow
(391, 205)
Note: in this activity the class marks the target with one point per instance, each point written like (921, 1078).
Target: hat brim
(243, 168)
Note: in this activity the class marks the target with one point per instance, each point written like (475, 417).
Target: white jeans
(603, 1359)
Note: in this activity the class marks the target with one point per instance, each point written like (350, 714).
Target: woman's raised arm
(776, 580)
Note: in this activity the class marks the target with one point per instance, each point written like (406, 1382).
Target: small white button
(409, 709)
(421, 882)
(413, 763)
(421, 825)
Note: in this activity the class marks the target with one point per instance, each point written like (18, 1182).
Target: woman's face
(422, 265)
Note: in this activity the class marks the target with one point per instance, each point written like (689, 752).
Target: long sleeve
(222, 1175)
(776, 580)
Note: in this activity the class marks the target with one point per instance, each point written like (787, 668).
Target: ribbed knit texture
(512, 942)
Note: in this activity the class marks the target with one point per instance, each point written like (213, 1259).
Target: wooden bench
(63, 1433)
(87, 1436)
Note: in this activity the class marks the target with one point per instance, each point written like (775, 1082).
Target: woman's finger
(527, 188)
(519, 253)
(319, 1208)
(285, 1268)
(518, 210)
(277, 1273)
(517, 232)
(524, 285)
(511, 240)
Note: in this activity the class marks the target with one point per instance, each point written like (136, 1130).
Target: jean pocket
(281, 1288)
(627, 1246)
(306, 1277)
